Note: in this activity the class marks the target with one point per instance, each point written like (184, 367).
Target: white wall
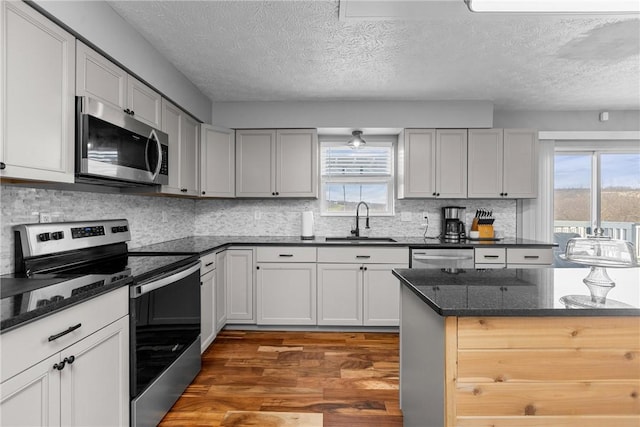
(353, 114)
(99, 24)
(568, 120)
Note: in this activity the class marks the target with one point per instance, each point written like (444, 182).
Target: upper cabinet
(432, 163)
(217, 162)
(277, 163)
(100, 78)
(503, 163)
(184, 135)
(38, 106)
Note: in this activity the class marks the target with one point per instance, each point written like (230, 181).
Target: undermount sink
(352, 239)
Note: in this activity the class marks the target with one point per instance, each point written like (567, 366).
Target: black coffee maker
(453, 229)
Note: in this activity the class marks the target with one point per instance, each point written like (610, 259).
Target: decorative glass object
(599, 252)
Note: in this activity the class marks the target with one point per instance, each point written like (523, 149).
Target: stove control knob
(57, 235)
(44, 237)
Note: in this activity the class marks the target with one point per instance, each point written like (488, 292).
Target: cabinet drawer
(29, 344)
(207, 263)
(285, 254)
(364, 255)
(490, 256)
(529, 256)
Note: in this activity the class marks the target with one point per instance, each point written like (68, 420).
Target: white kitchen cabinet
(515, 257)
(37, 111)
(381, 293)
(207, 301)
(340, 294)
(220, 297)
(503, 163)
(217, 162)
(99, 78)
(239, 280)
(90, 385)
(276, 163)
(361, 293)
(184, 136)
(433, 164)
(286, 285)
(286, 293)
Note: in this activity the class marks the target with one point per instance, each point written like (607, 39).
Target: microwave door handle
(140, 290)
(159, 164)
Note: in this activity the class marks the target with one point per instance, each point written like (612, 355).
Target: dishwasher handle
(442, 257)
(139, 290)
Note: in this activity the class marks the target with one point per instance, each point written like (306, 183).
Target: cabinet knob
(184, 190)
(361, 268)
(506, 194)
(273, 194)
(365, 269)
(257, 267)
(437, 194)
(204, 192)
(433, 194)
(2, 165)
(69, 359)
(60, 366)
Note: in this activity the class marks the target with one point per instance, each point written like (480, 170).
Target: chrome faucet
(356, 231)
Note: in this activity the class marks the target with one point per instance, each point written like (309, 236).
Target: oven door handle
(441, 257)
(140, 290)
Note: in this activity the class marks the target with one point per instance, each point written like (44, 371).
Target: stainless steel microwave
(113, 148)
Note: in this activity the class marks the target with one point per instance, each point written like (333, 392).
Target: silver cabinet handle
(63, 333)
(441, 257)
(490, 256)
(286, 255)
(531, 257)
(363, 256)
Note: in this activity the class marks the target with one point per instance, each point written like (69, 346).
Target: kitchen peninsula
(512, 354)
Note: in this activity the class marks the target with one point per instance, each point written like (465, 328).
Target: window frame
(372, 141)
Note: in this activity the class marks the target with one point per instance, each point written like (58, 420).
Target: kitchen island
(482, 348)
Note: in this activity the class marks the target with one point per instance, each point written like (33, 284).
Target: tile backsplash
(229, 217)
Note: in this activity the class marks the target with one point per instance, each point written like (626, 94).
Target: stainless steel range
(59, 261)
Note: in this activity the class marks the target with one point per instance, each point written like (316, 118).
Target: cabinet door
(189, 155)
(220, 297)
(145, 103)
(419, 163)
(520, 179)
(485, 163)
(32, 398)
(94, 388)
(207, 310)
(451, 163)
(255, 163)
(38, 96)
(172, 126)
(217, 162)
(297, 163)
(100, 78)
(340, 294)
(381, 295)
(239, 279)
(286, 293)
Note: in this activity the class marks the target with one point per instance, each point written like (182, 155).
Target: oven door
(442, 258)
(165, 322)
(113, 145)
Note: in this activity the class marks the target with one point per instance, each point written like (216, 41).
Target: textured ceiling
(300, 50)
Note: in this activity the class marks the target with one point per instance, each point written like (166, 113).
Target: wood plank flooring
(298, 379)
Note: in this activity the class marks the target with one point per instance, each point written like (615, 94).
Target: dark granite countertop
(205, 244)
(519, 292)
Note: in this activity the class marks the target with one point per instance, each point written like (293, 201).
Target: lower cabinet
(240, 286)
(85, 382)
(220, 291)
(358, 294)
(208, 329)
(286, 293)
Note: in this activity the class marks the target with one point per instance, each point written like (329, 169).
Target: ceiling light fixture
(554, 6)
(356, 141)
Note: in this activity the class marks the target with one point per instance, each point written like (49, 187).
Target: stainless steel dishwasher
(449, 258)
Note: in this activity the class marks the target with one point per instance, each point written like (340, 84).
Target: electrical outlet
(164, 216)
(45, 217)
(257, 215)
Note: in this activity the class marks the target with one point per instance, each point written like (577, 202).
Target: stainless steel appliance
(453, 229)
(113, 148)
(442, 258)
(60, 261)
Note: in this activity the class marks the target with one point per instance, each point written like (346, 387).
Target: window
(349, 176)
(595, 188)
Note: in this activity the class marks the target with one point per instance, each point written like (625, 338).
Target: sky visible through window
(618, 170)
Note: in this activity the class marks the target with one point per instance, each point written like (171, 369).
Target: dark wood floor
(349, 378)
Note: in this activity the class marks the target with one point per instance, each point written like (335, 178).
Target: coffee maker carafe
(453, 229)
